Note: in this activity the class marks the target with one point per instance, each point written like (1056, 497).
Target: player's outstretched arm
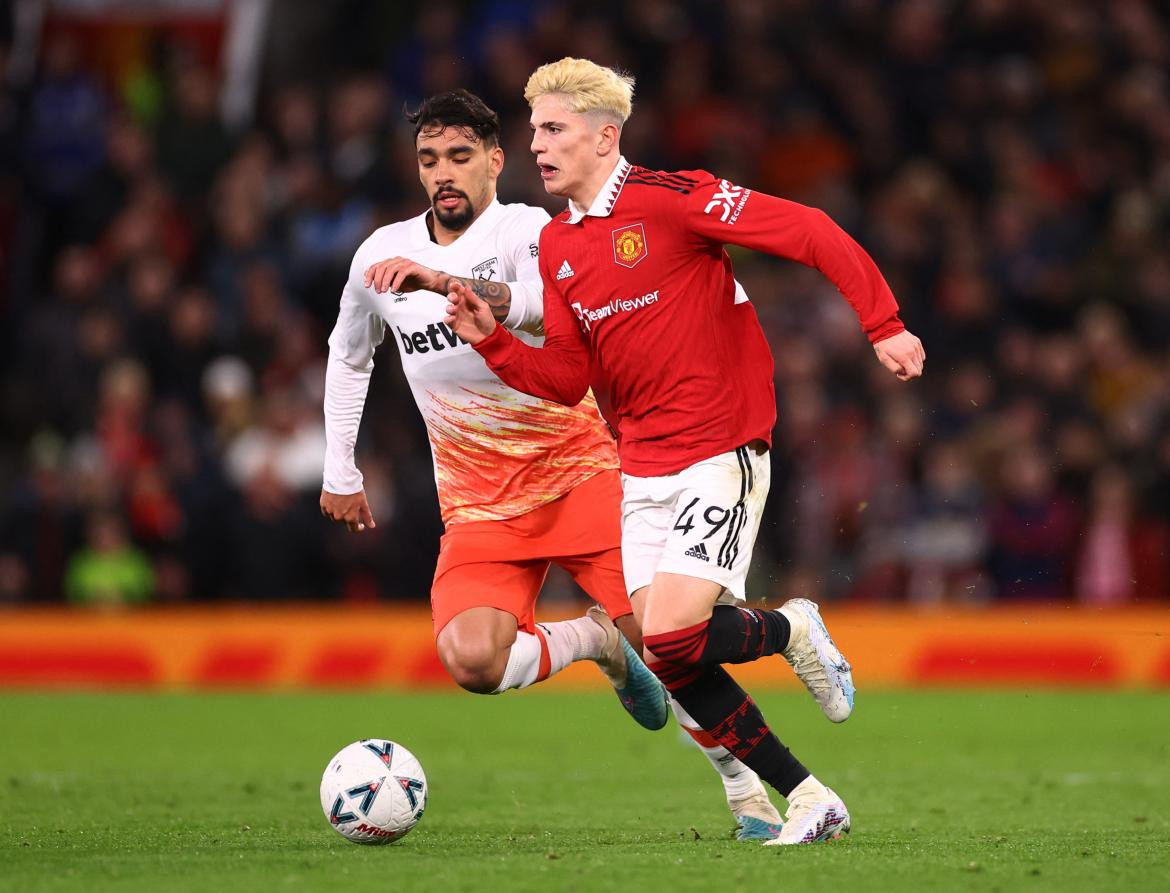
(560, 371)
(352, 510)
(400, 274)
(723, 212)
(902, 354)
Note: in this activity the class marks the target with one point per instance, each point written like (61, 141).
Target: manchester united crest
(629, 245)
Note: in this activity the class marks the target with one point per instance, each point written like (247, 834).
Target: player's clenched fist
(352, 510)
(467, 315)
(398, 274)
(902, 354)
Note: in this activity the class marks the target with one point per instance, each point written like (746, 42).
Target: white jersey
(498, 453)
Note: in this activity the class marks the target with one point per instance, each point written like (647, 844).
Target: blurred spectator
(192, 141)
(66, 112)
(129, 160)
(40, 525)
(109, 571)
(1033, 529)
(1124, 556)
(283, 449)
(946, 538)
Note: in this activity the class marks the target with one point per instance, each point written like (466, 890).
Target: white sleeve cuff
(527, 310)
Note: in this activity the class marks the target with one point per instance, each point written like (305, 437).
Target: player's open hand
(467, 315)
(352, 510)
(902, 354)
(398, 274)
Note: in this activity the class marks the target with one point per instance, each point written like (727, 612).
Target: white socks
(564, 642)
(738, 780)
(570, 640)
(523, 663)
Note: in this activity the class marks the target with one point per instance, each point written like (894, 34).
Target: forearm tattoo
(496, 295)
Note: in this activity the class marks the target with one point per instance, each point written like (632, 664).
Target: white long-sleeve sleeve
(356, 335)
(527, 311)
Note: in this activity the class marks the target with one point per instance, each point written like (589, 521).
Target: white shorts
(699, 522)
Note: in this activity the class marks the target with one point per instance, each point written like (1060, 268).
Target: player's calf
(755, 816)
(730, 635)
(739, 635)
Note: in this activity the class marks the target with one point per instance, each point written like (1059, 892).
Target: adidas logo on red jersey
(565, 271)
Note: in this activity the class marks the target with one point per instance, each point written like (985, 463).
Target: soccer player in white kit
(520, 480)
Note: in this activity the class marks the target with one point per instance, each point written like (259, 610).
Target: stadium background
(182, 185)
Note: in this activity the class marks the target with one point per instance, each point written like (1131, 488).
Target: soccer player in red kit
(640, 294)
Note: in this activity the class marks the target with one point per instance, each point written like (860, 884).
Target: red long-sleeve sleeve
(561, 370)
(721, 212)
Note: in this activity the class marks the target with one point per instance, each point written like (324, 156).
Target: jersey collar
(603, 205)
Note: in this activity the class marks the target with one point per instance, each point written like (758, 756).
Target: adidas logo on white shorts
(565, 271)
(699, 551)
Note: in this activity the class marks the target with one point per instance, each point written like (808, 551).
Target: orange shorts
(502, 564)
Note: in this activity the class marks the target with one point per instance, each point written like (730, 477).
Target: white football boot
(815, 815)
(816, 660)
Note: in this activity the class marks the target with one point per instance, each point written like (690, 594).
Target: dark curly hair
(457, 108)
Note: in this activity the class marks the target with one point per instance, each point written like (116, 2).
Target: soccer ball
(373, 791)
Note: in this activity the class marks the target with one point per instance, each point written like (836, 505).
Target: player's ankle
(592, 638)
(810, 788)
(797, 625)
(739, 786)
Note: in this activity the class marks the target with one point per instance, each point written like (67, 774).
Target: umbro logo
(699, 551)
(565, 272)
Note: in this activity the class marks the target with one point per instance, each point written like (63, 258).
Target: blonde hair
(586, 86)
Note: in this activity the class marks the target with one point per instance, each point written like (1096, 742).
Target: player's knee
(475, 666)
(659, 633)
(682, 647)
(652, 630)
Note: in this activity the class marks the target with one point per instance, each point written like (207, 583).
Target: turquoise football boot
(639, 690)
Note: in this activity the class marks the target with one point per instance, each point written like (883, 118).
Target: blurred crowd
(167, 284)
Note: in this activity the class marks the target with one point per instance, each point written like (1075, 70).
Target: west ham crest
(486, 270)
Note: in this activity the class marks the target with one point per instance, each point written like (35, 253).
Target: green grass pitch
(550, 792)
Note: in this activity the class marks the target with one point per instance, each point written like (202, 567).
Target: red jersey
(639, 293)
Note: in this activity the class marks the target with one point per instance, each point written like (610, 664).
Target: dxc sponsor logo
(618, 305)
(728, 201)
(436, 336)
